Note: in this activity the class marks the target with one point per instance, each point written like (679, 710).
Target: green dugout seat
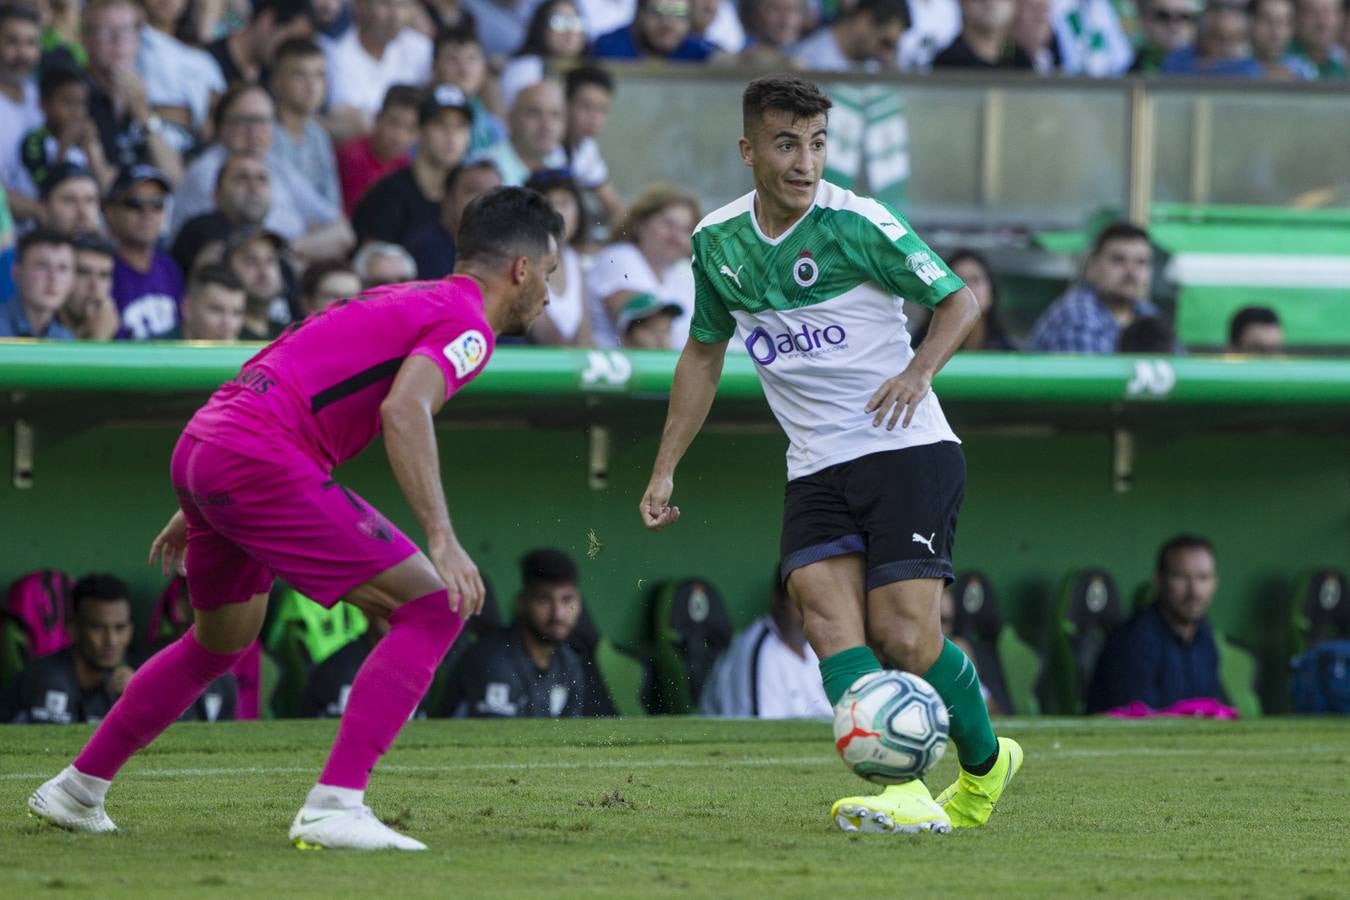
(1087, 607)
(690, 629)
(1321, 609)
(618, 681)
(978, 620)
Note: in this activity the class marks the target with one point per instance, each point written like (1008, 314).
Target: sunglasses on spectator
(1170, 17)
(142, 204)
(565, 22)
(674, 9)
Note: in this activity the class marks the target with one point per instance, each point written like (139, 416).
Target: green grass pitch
(697, 808)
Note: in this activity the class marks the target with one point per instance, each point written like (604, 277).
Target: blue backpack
(1321, 680)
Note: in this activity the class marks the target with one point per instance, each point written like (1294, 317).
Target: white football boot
(317, 828)
(54, 803)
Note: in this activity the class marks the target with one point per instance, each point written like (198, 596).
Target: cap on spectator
(59, 173)
(644, 306)
(247, 234)
(441, 98)
(131, 176)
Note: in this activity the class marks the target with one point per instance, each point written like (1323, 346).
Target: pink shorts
(250, 520)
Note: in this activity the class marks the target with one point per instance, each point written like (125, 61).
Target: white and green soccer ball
(890, 727)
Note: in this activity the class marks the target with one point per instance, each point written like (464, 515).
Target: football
(890, 727)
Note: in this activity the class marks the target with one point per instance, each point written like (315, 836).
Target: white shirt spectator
(622, 267)
(355, 78)
(819, 52)
(761, 676)
(1091, 39)
(296, 206)
(502, 23)
(519, 73)
(566, 310)
(936, 24)
(603, 16)
(726, 31)
(588, 167)
(16, 120)
(513, 169)
(178, 75)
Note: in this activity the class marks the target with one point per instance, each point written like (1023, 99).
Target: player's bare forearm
(896, 400)
(410, 441)
(691, 396)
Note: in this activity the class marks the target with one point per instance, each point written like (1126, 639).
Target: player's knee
(430, 612)
(906, 645)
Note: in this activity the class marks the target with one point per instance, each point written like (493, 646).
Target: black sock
(985, 767)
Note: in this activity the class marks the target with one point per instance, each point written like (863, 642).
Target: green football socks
(845, 667)
(953, 677)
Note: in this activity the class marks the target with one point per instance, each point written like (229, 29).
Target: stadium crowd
(213, 170)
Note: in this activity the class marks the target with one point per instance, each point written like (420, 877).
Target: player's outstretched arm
(952, 320)
(691, 396)
(410, 440)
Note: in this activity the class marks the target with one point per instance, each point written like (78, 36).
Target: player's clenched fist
(655, 508)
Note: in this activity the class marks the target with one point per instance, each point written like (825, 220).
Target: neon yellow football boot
(899, 809)
(969, 801)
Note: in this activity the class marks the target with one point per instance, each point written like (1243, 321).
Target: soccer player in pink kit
(253, 475)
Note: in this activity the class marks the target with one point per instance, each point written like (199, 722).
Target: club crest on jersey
(466, 352)
(804, 270)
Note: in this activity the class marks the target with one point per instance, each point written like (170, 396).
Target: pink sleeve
(461, 350)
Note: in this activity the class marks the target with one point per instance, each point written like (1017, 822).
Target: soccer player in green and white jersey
(810, 278)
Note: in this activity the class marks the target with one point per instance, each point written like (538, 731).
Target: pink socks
(157, 695)
(390, 684)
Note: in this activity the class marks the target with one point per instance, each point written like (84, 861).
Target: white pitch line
(713, 762)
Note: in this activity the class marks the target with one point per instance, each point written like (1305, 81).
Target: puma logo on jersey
(926, 541)
(734, 276)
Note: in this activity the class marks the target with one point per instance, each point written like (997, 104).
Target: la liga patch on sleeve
(466, 352)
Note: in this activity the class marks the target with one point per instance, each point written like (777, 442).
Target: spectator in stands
(380, 50)
(659, 30)
(501, 25)
(299, 86)
(396, 206)
(330, 682)
(1091, 38)
(130, 131)
(380, 262)
(81, 682)
(1033, 30)
(589, 93)
(537, 120)
(364, 160)
(245, 55)
(443, 14)
(147, 284)
(1112, 294)
(91, 313)
(1256, 330)
(864, 38)
(649, 255)
(67, 135)
(526, 669)
(933, 24)
(70, 199)
(254, 255)
(772, 29)
(717, 23)
(20, 109)
(989, 332)
(331, 18)
(565, 322)
(1220, 48)
(646, 322)
(1165, 652)
(1272, 30)
(243, 197)
(986, 40)
(1169, 25)
(213, 308)
(461, 62)
(1147, 334)
(769, 671)
(1317, 30)
(245, 121)
(433, 245)
(326, 282)
(181, 80)
(44, 273)
(556, 37)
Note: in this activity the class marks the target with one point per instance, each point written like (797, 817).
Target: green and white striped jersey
(820, 311)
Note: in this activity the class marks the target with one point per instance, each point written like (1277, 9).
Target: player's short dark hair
(214, 273)
(455, 174)
(99, 587)
(1118, 231)
(57, 76)
(401, 96)
(1249, 315)
(295, 48)
(232, 95)
(504, 223)
(1148, 334)
(786, 93)
(883, 12)
(19, 12)
(42, 237)
(581, 76)
(316, 272)
(1181, 542)
(547, 566)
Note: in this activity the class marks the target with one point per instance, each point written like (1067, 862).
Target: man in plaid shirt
(1092, 313)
